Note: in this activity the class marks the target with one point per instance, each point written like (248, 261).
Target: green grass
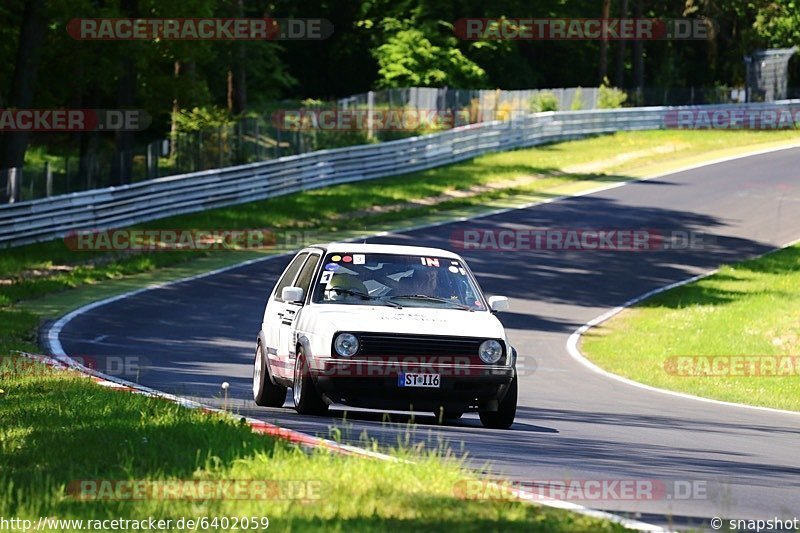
(750, 308)
(57, 428)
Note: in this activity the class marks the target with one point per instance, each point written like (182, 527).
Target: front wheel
(265, 392)
(306, 399)
(506, 411)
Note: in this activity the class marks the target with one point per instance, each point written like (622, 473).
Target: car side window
(289, 274)
(304, 279)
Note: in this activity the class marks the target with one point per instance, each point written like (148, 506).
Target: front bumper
(374, 384)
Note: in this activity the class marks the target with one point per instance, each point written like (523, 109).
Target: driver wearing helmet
(345, 287)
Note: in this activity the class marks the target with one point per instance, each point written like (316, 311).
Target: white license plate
(409, 379)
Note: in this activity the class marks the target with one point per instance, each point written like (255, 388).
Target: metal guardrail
(112, 207)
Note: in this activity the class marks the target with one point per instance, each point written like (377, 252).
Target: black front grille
(390, 345)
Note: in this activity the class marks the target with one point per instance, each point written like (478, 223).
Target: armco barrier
(48, 218)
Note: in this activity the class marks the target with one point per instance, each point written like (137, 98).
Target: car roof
(363, 248)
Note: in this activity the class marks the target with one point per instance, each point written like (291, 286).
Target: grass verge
(746, 309)
(57, 428)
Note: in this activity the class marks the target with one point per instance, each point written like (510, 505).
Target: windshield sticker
(453, 269)
(463, 272)
(429, 261)
(358, 259)
(326, 276)
(347, 259)
(332, 266)
(336, 258)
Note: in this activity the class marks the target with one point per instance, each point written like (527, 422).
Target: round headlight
(346, 344)
(490, 351)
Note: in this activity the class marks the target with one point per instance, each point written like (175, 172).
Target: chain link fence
(253, 139)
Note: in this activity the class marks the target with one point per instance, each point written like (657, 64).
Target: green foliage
(422, 55)
(201, 118)
(610, 97)
(778, 23)
(543, 101)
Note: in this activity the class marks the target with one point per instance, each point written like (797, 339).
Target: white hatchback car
(385, 327)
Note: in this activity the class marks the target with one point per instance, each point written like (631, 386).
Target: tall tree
(32, 32)
(602, 69)
(638, 52)
(619, 68)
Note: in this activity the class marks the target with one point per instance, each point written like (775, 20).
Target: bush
(543, 101)
(610, 97)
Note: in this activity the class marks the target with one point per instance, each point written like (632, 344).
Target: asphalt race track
(572, 423)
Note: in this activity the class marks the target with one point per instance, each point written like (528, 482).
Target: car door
(291, 314)
(273, 316)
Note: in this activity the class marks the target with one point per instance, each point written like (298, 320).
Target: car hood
(411, 320)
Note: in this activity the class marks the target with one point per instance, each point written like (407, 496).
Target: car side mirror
(292, 294)
(498, 303)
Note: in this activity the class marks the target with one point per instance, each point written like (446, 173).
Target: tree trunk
(638, 56)
(88, 141)
(33, 30)
(237, 78)
(603, 65)
(122, 161)
(173, 127)
(619, 74)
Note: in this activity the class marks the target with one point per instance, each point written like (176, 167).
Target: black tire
(265, 392)
(307, 400)
(506, 411)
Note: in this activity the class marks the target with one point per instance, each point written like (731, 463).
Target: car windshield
(397, 281)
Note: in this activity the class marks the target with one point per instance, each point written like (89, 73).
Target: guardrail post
(48, 178)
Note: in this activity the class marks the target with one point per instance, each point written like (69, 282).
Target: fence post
(48, 178)
(219, 145)
(370, 110)
(12, 185)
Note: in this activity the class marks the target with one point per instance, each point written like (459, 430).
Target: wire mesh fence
(259, 138)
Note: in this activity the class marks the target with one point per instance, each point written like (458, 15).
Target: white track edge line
(575, 352)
